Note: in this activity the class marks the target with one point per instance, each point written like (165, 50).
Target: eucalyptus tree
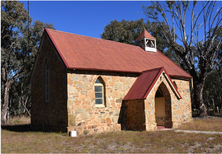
(19, 44)
(199, 55)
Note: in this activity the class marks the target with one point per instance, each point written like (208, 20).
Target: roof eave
(106, 70)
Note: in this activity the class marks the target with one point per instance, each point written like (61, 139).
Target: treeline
(213, 91)
(20, 39)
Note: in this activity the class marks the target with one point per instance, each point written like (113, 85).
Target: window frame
(101, 84)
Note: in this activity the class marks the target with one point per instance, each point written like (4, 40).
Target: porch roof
(146, 81)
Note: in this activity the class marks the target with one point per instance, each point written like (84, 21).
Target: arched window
(99, 92)
(46, 81)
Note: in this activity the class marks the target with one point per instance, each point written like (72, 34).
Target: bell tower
(146, 41)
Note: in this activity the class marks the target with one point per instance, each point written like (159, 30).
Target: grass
(119, 141)
(208, 124)
(19, 120)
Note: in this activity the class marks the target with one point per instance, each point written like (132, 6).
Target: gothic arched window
(99, 92)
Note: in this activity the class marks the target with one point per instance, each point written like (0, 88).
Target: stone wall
(133, 115)
(52, 115)
(180, 110)
(83, 115)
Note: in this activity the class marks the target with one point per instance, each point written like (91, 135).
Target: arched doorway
(163, 107)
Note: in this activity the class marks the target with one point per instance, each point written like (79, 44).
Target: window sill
(100, 106)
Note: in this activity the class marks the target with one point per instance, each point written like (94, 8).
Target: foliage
(212, 89)
(19, 44)
(213, 85)
(199, 56)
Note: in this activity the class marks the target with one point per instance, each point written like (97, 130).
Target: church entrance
(163, 107)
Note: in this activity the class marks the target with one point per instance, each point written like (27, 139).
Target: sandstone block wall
(180, 108)
(182, 111)
(83, 115)
(52, 115)
(133, 115)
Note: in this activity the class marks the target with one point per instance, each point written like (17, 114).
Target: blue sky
(89, 17)
(84, 18)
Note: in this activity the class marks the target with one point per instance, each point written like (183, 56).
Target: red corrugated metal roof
(87, 53)
(145, 82)
(145, 34)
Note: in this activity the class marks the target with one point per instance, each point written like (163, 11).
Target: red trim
(180, 76)
(46, 29)
(173, 84)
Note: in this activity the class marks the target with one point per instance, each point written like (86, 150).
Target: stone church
(93, 85)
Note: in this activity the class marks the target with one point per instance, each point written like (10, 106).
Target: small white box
(73, 133)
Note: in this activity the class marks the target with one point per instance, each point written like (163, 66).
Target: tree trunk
(213, 104)
(24, 105)
(198, 98)
(6, 103)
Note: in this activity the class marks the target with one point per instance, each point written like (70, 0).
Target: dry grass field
(17, 139)
(207, 124)
(19, 120)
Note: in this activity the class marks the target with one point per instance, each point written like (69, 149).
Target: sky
(89, 18)
(84, 18)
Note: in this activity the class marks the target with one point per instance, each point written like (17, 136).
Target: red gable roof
(87, 53)
(145, 34)
(145, 82)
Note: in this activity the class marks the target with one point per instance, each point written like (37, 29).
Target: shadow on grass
(27, 128)
(210, 113)
(17, 128)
